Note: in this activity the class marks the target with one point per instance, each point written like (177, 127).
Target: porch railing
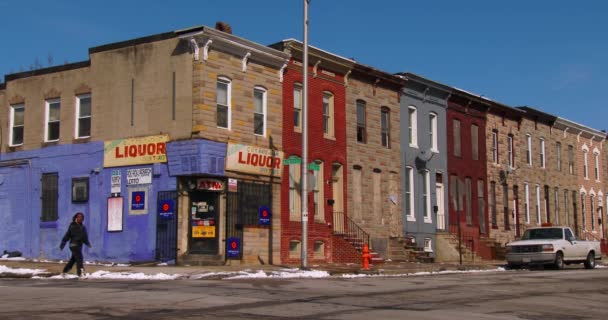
(344, 226)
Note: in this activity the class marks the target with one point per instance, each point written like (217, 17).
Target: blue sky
(551, 55)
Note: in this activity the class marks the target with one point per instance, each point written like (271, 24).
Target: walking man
(77, 235)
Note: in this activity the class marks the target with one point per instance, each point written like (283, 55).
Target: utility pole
(304, 165)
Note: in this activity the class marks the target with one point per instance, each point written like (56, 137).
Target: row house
(423, 105)
(374, 158)
(170, 144)
(327, 154)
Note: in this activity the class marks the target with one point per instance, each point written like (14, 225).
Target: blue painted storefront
(20, 204)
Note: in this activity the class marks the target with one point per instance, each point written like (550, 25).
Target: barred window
(50, 195)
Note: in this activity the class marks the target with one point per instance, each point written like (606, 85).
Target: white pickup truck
(552, 246)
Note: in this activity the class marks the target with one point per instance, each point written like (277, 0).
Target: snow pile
(422, 273)
(5, 269)
(5, 257)
(283, 273)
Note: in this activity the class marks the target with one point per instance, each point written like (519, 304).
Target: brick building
(326, 151)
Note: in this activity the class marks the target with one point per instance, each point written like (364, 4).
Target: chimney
(223, 26)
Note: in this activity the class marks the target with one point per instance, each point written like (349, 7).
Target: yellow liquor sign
(203, 231)
(133, 151)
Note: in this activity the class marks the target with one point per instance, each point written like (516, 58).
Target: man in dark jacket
(77, 235)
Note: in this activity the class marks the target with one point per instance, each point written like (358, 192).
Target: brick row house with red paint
(326, 152)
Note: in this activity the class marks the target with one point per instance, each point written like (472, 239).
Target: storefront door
(204, 222)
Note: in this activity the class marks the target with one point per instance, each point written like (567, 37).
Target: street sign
(292, 160)
(314, 166)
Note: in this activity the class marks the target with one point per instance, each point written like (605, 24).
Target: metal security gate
(242, 207)
(166, 226)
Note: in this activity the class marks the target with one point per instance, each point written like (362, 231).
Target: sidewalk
(54, 268)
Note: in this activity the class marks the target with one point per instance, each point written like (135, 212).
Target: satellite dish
(425, 155)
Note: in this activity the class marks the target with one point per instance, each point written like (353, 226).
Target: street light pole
(304, 165)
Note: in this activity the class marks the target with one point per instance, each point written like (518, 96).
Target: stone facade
(374, 201)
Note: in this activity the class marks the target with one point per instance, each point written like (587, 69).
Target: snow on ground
(283, 273)
(5, 269)
(5, 257)
(421, 273)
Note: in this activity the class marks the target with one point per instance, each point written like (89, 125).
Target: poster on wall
(115, 182)
(115, 214)
(138, 200)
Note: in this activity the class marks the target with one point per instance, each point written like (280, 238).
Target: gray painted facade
(426, 164)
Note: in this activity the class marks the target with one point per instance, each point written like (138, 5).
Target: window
(529, 149)
(409, 193)
(50, 195)
(495, 146)
(527, 202)
(556, 204)
(328, 114)
(83, 116)
(259, 111)
(80, 189)
(546, 205)
(295, 200)
(412, 127)
(481, 206)
(474, 142)
(505, 203)
(456, 192)
(468, 200)
(592, 211)
(538, 220)
(361, 132)
(53, 108)
(426, 196)
(294, 249)
(433, 132)
(319, 250)
(456, 134)
(542, 152)
(585, 164)
(583, 211)
(510, 147)
(558, 152)
(318, 195)
(567, 211)
(596, 156)
(493, 204)
(223, 102)
(428, 245)
(571, 159)
(297, 106)
(17, 124)
(385, 127)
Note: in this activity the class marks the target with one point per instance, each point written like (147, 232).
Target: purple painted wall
(20, 204)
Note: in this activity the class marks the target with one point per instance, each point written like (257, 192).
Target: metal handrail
(346, 227)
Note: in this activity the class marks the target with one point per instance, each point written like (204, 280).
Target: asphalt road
(568, 294)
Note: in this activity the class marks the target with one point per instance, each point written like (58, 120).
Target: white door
(440, 208)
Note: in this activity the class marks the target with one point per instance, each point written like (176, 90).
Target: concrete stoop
(404, 250)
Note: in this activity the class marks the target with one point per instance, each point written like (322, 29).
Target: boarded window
(468, 200)
(475, 142)
(493, 204)
(456, 128)
(481, 205)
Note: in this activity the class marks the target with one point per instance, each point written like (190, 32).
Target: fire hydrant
(366, 257)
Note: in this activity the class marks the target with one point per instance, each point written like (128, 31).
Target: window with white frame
(428, 245)
(328, 114)
(596, 156)
(53, 111)
(361, 122)
(556, 204)
(17, 123)
(409, 194)
(584, 210)
(223, 97)
(413, 126)
(558, 152)
(494, 146)
(527, 202)
(297, 106)
(592, 211)
(385, 127)
(571, 159)
(259, 111)
(426, 195)
(294, 191)
(511, 151)
(538, 219)
(585, 164)
(566, 207)
(528, 149)
(83, 116)
(542, 152)
(433, 132)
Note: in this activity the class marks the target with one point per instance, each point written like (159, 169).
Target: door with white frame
(440, 206)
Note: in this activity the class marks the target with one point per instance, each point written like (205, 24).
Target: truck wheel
(512, 266)
(559, 261)
(590, 262)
